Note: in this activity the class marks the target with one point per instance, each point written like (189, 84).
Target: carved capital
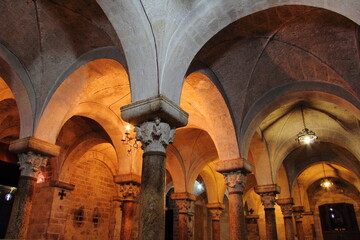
(298, 213)
(268, 199)
(235, 181)
(185, 206)
(154, 135)
(215, 210)
(286, 210)
(286, 205)
(129, 191)
(31, 163)
(215, 213)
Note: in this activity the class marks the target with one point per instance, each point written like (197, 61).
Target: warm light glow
(127, 127)
(40, 178)
(326, 184)
(306, 136)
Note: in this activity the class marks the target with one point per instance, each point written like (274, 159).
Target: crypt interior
(180, 119)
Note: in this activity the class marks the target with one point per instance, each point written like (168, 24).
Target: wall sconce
(306, 136)
(129, 140)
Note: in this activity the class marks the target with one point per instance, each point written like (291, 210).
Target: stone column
(268, 194)
(154, 136)
(286, 205)
(33, 155)
(129, 190)
(234, 172)
(298, 215)
(185, 206)
(215, 210)
(252, 227)
(155, 120)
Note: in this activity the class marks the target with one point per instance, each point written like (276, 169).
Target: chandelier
(306, 136)
(129, 140)
(326, 183)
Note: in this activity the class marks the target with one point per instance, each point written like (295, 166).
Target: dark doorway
(338, 222)
(9, 176)
(169, 216)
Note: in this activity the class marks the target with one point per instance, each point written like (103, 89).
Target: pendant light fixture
(306, 136)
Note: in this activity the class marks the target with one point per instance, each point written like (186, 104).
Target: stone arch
(136, 34)
(84, 151)
(298, 90)
(214, 184)
(16, 77)
(191, 33)
(202, 97)
(259, 158)
(68, 95)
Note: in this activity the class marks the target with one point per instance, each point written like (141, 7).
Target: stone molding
(35, 145)
(184, 202)
(159, 106)
(129, 191)
(215, 210)
(235, 181)
(127, 178)
(154, 135)
(286, 205)
(267, 188)
(31, 163)
(233, 165)
(62, 185)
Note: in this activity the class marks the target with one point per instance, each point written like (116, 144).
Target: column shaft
(300, 230)
(270, 221)
(215, 225)
(237, 218)
(289, 228)
(127, 220)
(20, 214)
(152, 213)
(286, 205)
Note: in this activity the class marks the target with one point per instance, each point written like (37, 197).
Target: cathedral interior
(180, 119)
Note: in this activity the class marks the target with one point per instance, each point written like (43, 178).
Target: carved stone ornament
(155, 135)
(31, 163)
(215, 213)
(286, 209)
(268, 199)
(235, 181)
(184, 206)
(129, 191)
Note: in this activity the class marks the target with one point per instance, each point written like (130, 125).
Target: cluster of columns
(155, 121)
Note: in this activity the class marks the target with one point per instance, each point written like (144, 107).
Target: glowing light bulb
(127, 128)
(307, 140)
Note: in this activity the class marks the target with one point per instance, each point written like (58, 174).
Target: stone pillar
(215, 210)
(129, 190)
(33, 155)
(185, 206)
(234, 172)
(286, 205)
(252, 227)
(268, 194)
(155, 120)
(298, 215)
